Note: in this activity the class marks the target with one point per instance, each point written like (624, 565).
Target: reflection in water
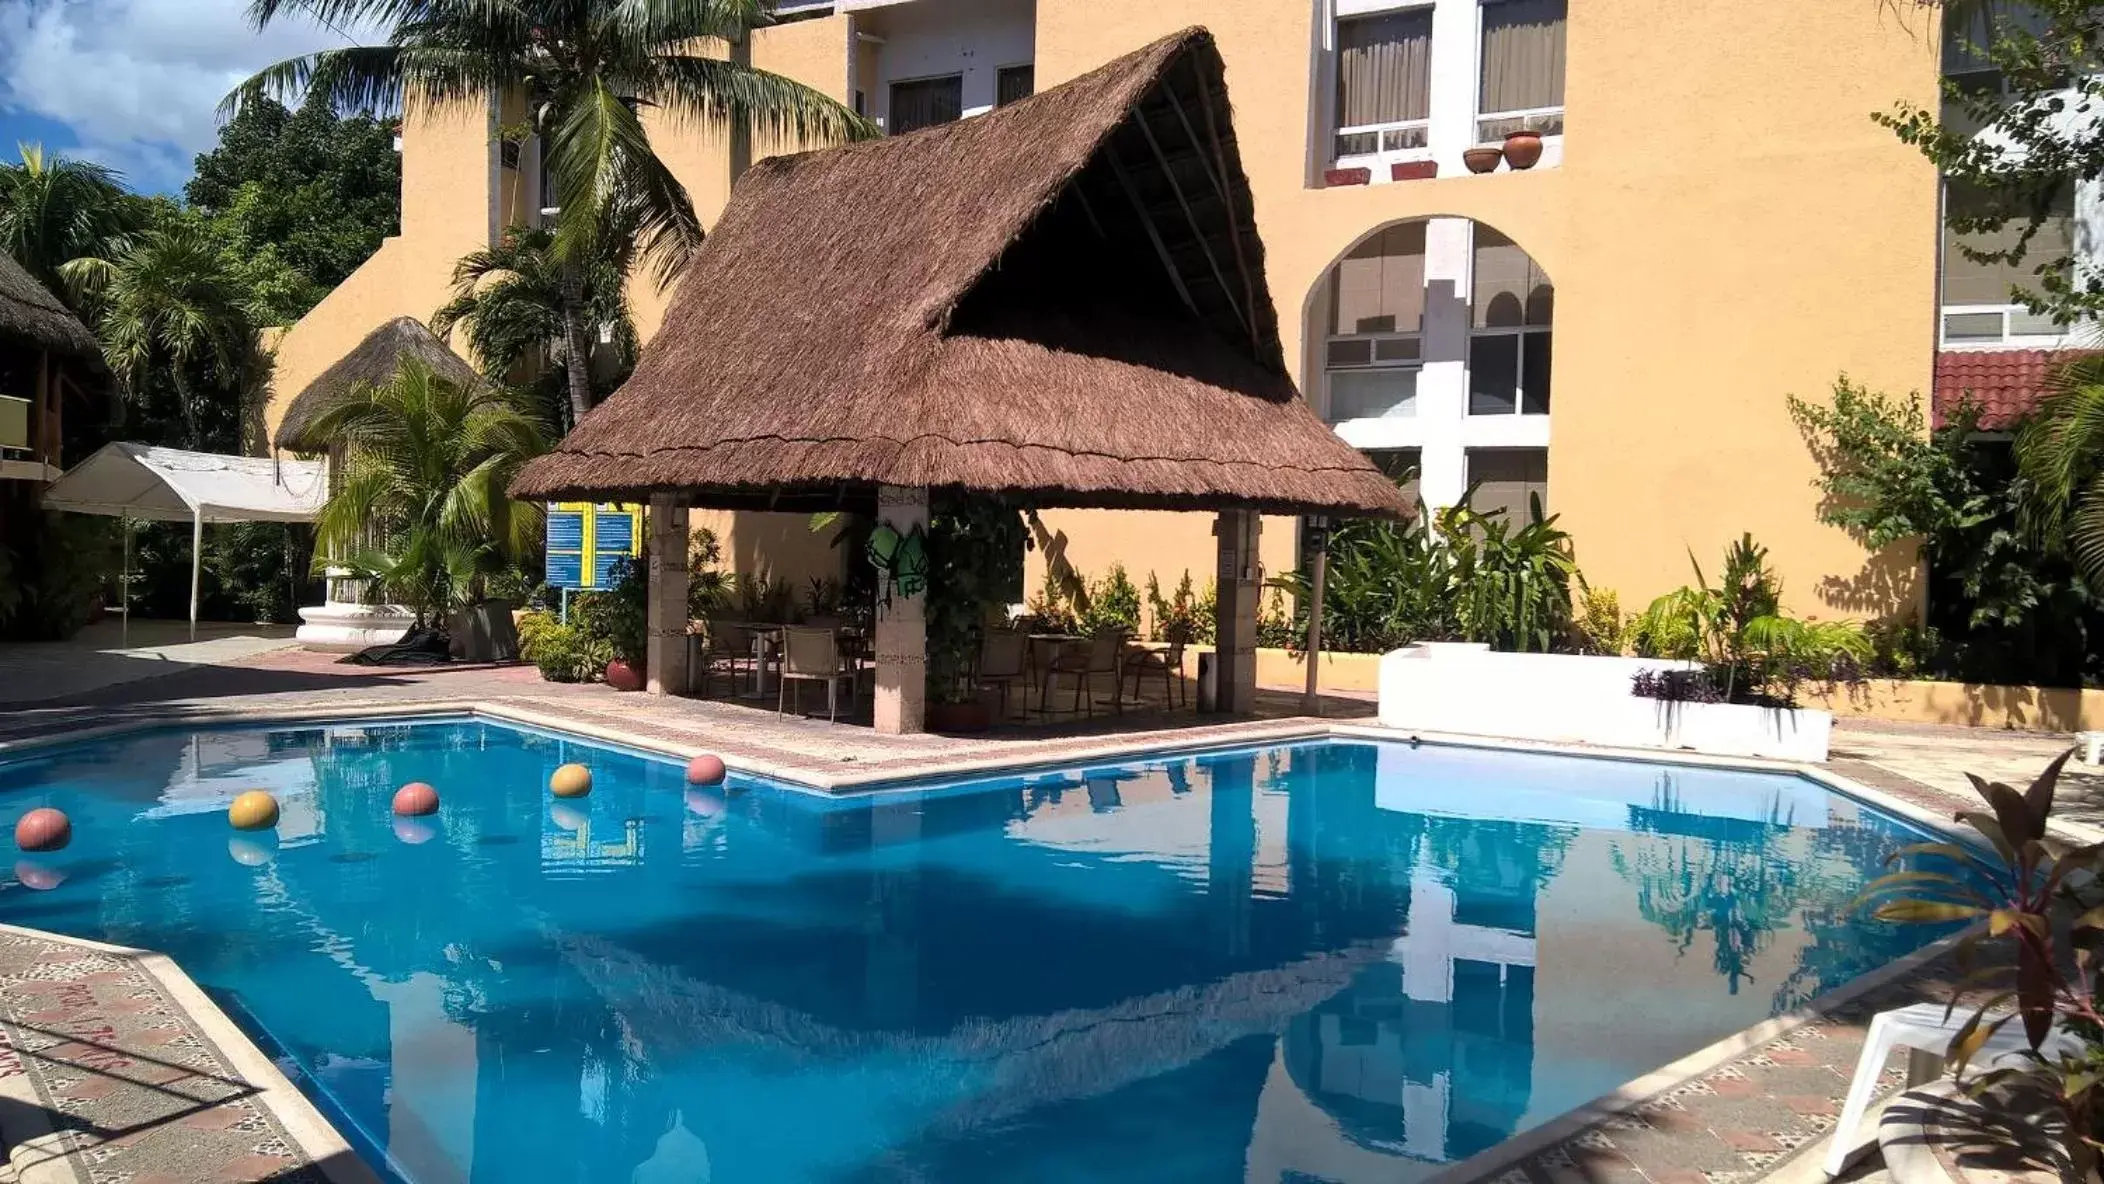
(1326, 962)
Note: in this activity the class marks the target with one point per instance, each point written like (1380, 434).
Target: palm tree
(585, 68)
(510, 297)
(168, 300)
(54, 210)
(421, 502)
(2060, 454)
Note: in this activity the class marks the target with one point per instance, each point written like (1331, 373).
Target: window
(925, 103)
(1508, 347)
(1402, 465)
(1373, 347)
(1522, 85)
(1509, 479)
(1977, 300)
(1384, 82)
(1014, 82)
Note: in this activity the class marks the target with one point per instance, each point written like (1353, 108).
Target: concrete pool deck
(1757, 1103)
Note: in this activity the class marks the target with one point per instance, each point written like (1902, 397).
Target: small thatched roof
(1063, 300)
(29, 310)
(372, 362)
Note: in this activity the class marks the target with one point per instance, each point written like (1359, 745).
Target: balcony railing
(1368, 143)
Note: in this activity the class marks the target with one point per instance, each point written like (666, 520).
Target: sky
(135, 84)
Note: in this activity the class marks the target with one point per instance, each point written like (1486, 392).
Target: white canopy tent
(139, 481)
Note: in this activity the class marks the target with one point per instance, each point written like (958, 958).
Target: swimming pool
(1334, 960)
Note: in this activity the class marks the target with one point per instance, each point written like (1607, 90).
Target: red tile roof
(2006, 383)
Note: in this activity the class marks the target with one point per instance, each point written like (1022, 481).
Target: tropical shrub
(1598, 624)
(1049, 609)
(1113, 604)
(49, 581)
(1174, 618)
(2043, 912)
(563, 653)
(975, 570)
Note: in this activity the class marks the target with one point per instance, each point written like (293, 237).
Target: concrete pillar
(666, 618)
(902, 627)
(1240, 584)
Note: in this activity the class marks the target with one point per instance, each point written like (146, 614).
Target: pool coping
(311, 1134)
(298, 1114)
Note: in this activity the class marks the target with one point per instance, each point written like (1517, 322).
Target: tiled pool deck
(115, 1068)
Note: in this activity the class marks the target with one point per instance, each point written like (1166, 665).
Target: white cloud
(139, 81)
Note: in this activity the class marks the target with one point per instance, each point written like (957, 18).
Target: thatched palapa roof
(372, 362)
(1062, 300)
(28, 310)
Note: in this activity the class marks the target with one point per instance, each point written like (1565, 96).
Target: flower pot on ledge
(1356, 176)
(1522, 149)
(623, 677)
(1413, 170)
(1482, 160)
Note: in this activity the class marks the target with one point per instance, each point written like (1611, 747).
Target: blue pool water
(1323, 962)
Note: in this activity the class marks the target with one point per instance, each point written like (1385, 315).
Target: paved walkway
(100, 656)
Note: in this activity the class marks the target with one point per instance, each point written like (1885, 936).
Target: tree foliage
(2061, 451)
(54, 209)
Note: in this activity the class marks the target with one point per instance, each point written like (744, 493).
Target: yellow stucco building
(1714, 223)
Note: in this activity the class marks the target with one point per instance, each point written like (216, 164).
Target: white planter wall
(347, 628)
(1574, 698)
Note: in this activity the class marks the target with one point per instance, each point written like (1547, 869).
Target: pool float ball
(31, 874)
(254, 810)
(706, 769)
(43, 829)
(252, 851)
(703, 804)
(570, 781)
(415, 800)
(570, 818)
(414, 830)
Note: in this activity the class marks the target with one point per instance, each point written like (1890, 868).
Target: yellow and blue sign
(586, 539)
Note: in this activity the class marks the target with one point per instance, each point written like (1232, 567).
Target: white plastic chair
(1921, 1026)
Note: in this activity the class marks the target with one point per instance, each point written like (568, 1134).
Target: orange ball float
(254, 810)
(43, 829)
(415, 800)
(706, 769)
(414, 830)
(37, 876)
(570, 781)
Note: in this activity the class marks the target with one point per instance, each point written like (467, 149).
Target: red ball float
(37, 876)
(43, 829)
(415, 800)
(413, 831)
(706, 769)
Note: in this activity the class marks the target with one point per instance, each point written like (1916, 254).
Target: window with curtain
(926, 102)
(1372, 350)
(1511, 308)
(1967, 281)
(1014, 82)
(1523, 56)
(1384, 77)
(1509, 479)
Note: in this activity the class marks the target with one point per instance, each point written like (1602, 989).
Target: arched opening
(1430, 347)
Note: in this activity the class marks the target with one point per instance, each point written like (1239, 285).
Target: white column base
(348, 628)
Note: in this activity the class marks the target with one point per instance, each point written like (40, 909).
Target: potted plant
(619, 617)
(975, 570)
(1522, 149)
(1482, 159)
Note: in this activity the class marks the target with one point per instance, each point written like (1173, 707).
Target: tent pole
(197, 560)
(124, 588)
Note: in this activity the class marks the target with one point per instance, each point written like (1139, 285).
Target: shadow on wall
(784, 546)
(1973, 705)
(1888, 583)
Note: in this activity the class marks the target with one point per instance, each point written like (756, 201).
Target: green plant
(422, 505)
(1277, 627)
(620, 616)
(55, 209)
(1175, 618)
(1598, 624)
(2038, 929)
(2061, 453)
(975, 570)
(709, 587)
(1049, 608)
(50, 579)
(261, 567)
(761, 597)
(563, 653)
(586, 73)
(1113, 604)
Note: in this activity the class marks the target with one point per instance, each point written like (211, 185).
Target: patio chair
(1002, 655)
(813, 655)
(722, 646)
(1168, 663)
(1083, 666)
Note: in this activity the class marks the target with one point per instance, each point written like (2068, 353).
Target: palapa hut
(1062, 301)
(373, 361)
(44, 352)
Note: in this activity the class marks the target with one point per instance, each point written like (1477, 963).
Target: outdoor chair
(724, 647)
(1002, 655)
(813, 655)
(1168, 663)
(1083, 666)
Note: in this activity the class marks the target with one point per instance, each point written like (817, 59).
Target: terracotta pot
(974, 716)
(1482, 160)
(1522, 149)
(623, 677)
(1358, 176)
(1413, 170)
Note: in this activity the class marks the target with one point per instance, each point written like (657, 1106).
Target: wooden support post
(665, 653)
(902, 626)
(1239, 585)
(1318, 539)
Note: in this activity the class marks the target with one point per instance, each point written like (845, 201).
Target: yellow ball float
(570, 781)
(254, 810)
